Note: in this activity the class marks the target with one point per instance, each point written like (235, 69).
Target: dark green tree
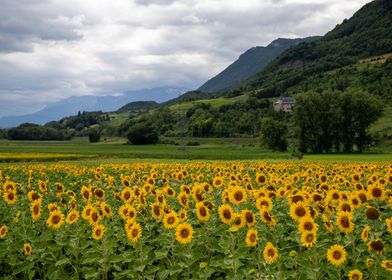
(142, 133)
(94, 135)
(273, 134)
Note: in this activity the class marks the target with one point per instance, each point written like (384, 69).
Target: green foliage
(29, 131)
(142, 133)
(94, 135)
(273, 134)
(366, 34)
(334, 121)
(137, 107)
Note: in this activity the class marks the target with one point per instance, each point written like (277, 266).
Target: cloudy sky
(52, 49)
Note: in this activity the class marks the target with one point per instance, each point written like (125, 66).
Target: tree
(94, 135)
(273, 134)
(142, 133)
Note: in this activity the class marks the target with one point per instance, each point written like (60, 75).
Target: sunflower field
(216, 220)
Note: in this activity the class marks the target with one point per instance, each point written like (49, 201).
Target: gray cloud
(52, 49)
(24, 23)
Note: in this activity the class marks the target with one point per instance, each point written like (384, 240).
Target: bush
(193, 143)
(94, 135)
(142, 133)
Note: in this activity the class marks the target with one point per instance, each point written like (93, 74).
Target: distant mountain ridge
(74, 104)
(250, 63)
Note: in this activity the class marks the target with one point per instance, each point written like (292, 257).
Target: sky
(53, 49)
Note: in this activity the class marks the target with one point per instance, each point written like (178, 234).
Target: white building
(284, 104)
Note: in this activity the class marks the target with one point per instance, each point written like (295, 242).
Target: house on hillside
(284, 104)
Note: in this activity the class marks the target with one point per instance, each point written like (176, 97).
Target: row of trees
(335, 121)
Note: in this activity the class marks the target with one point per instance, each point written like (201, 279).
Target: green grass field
(116, 150)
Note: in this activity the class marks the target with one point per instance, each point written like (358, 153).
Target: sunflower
(126, 194)
(249, 217)
(169, 191)
(372, 213)
(389, 225)
(86, 193)
(307, 224)
(106, 210)
(53, 207)
(42, 186)
(355, 274)
(226, 213)
(55, 219)
(238, 222)
(156, 211)
(369, 262)
(237, 195)
(365, 233)
(134, 232)
(184, 233)
(376, 245)
(267, 218)
(87, 211)
(345, 207)
(94, 217)
(98, 231)
(387, 264)
(270, 253)
(3, 231)
(251, 237)
(261, 178)
(10, 197)
(264, 203)
(72, 217)
(344, 222)
(336, 255)
(298, 210)
(182, 215)
(33, 195)
(308, 238)
(27, 249)
(217, 182)
(183, 199)
(36, 209)
(170, 220)
(202, 212)
(376, 192)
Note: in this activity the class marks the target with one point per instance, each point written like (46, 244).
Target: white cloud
(52, 49)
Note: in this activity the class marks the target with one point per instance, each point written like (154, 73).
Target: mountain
(367, 33)
(250, 63)
(74, 104)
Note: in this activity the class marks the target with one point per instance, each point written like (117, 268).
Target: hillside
(74, 104)
(367, 33)
(137, 107)
(250, 63)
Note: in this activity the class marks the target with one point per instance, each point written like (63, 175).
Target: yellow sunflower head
(170, 220)
(308, 238)
(72, 217)
(35, 208)
(98, 232)
(270, 253)
(226, 213)
(387, 264)
(336, 255)
(3, 231)
(27, 249)
(134, 233)
(202, 212)
(184, 233)
(355, 274)
(252, 237)
(55, 220)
